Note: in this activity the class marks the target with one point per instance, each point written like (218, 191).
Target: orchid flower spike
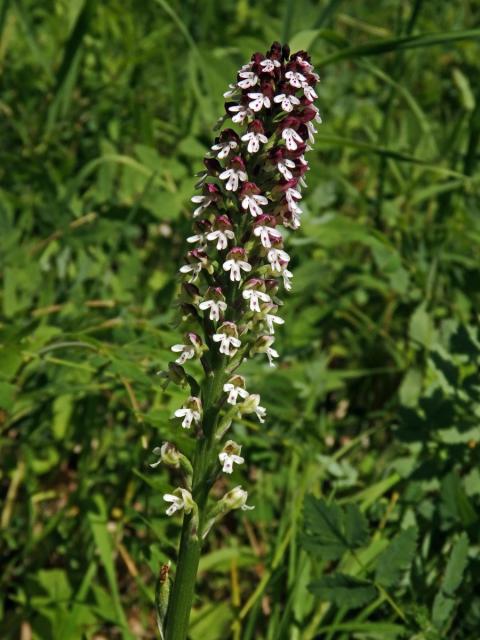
(237, 269)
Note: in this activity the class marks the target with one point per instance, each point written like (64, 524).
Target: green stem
(183, 590)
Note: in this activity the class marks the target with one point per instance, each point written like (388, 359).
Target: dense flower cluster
(251, 187)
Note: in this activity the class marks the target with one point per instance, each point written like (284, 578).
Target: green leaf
(343, 591)
(455, 503)
(444, 602)
(333, 530)
(397, 558)
(456, 566)
(411, 387)
(104, 544)
(466, 93)
(421, 328)
(7, 395)
(62, 412)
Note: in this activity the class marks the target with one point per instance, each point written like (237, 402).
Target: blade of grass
(69, 66)
(400, 44)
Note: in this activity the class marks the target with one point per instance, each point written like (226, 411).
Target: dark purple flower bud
(213, 166)
(290, 122)
(190, 290)
(248, 189)
(271, 285)
(222, 222)
(236, 252)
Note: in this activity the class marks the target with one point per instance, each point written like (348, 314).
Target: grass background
(106, 110)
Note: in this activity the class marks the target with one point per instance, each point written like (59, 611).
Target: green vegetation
(366, 475)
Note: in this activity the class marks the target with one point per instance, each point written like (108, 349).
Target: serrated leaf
(397, 558)
(444, 602)
(343, 590)
(333, 530)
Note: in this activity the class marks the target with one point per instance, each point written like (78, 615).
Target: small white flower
(241, 112)
(269, 65)
(287, 276)
(284, 167)
(228, 344)
(222, 237)
(304, 63)
(272, 319)
(180, 499)
(252, 405)
(198, 237)
(203, 201)
(294, 209)
(318, 117)
(233, 176)
(296, 79)
(194, 269)
(224, 148)
(271, 353)
(309, 92)
(253, 202)
(265, 233)
(216, 307)
(274, 256)
(288, 101)
(255, 298)
(258, 101)
(292, 194)
(230, 456)
(311, 131)
(187, 352)
(254, 140)
(250, 79)
(294, 223)
(232, 90)
(235, 267)
(234, 391)
(168, 454)
(189, 414)
(236, 499)
(291, 138)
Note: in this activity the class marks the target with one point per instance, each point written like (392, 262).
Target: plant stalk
(183, 590)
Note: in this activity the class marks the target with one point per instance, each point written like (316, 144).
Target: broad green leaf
(421, 329)
(332, 530)
(455, 502)
(7, 395)
(445, 602)
(343, 591)
(397, 558)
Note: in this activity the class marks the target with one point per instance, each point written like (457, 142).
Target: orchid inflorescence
(251, 186)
